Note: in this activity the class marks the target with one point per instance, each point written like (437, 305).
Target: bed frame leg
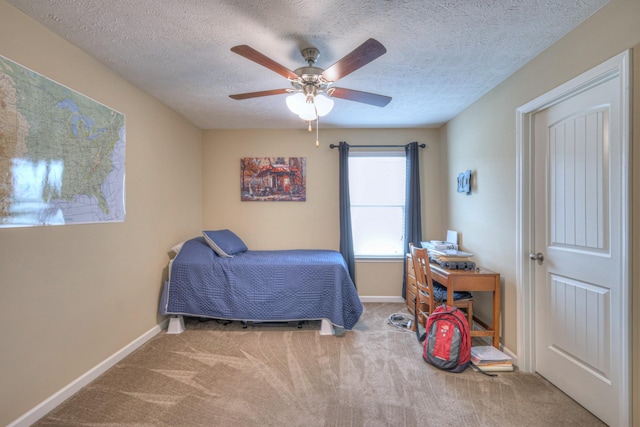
(176, 325)
(326, 327)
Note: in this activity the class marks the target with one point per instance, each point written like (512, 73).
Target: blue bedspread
(261, 286)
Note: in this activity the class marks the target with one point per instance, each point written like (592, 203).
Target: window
(377, 185)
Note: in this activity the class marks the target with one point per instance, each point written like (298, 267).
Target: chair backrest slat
(423, 273)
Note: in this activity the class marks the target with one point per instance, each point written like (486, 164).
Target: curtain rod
(377, 146)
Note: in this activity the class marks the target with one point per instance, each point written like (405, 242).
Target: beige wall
(483, 138)
(71, 296)
(314, 223)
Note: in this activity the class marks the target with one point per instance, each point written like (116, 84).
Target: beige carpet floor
(223, 375)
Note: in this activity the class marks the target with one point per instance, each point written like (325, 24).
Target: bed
(216, 276)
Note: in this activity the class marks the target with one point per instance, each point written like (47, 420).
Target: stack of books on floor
(490, 359)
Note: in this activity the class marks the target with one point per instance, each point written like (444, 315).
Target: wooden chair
(427, 301)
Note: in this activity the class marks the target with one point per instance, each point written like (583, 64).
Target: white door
(581, 232)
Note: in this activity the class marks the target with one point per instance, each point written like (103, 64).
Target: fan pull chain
(317, 141)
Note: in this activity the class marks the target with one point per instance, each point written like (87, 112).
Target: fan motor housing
(310, 76)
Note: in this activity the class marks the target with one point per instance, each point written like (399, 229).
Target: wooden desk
(473, 281)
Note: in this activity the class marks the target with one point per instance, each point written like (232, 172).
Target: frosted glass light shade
(307, 111)
(323, 105)
(296, 102)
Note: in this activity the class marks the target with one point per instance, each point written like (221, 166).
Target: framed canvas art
(273, 179)
(464, 182)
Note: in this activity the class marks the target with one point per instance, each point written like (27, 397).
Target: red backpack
(448, 342)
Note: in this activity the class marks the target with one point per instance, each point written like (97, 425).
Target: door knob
(537, 257)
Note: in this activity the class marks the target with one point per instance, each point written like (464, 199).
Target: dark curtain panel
(346, 237)
(413, 216)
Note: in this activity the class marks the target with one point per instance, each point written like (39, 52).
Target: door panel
(580, 313)
(577, 170)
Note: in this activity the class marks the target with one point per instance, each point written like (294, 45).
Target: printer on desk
(451, 243)
(439, 245)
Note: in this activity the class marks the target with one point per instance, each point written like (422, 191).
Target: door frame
(620, 65)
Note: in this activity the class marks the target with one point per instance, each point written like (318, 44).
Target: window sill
(386, 258)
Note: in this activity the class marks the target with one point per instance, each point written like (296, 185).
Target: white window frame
(379, 153)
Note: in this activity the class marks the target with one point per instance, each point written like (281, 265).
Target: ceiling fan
(308, 82)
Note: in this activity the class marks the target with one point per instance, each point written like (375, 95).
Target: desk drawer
(476, 283)
(411, 284)
(411, 289)
(410, 269)
(466, 281)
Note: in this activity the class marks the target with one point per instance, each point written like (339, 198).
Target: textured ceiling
(442, 55)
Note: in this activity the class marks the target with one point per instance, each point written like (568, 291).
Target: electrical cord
(400, 321)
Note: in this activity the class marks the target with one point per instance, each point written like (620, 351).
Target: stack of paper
(489, 358)
(448, 255)
(452, 253)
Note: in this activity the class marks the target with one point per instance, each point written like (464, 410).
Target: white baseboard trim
(512, 355)
(70, 389)
(381, 299)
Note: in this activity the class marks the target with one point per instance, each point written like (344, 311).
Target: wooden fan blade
(255, 56)
(360, 56)
(358, 96)
(259, 94)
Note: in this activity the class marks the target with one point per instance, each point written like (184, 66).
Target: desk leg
(496, 314)
(450, 295)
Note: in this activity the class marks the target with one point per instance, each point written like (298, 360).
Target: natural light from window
(377, 185)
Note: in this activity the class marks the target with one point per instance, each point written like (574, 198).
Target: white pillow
(173, 252)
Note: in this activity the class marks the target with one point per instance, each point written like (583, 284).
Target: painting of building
(273, 179)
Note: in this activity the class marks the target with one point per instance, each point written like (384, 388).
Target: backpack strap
(478, 369)
(419, 336)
